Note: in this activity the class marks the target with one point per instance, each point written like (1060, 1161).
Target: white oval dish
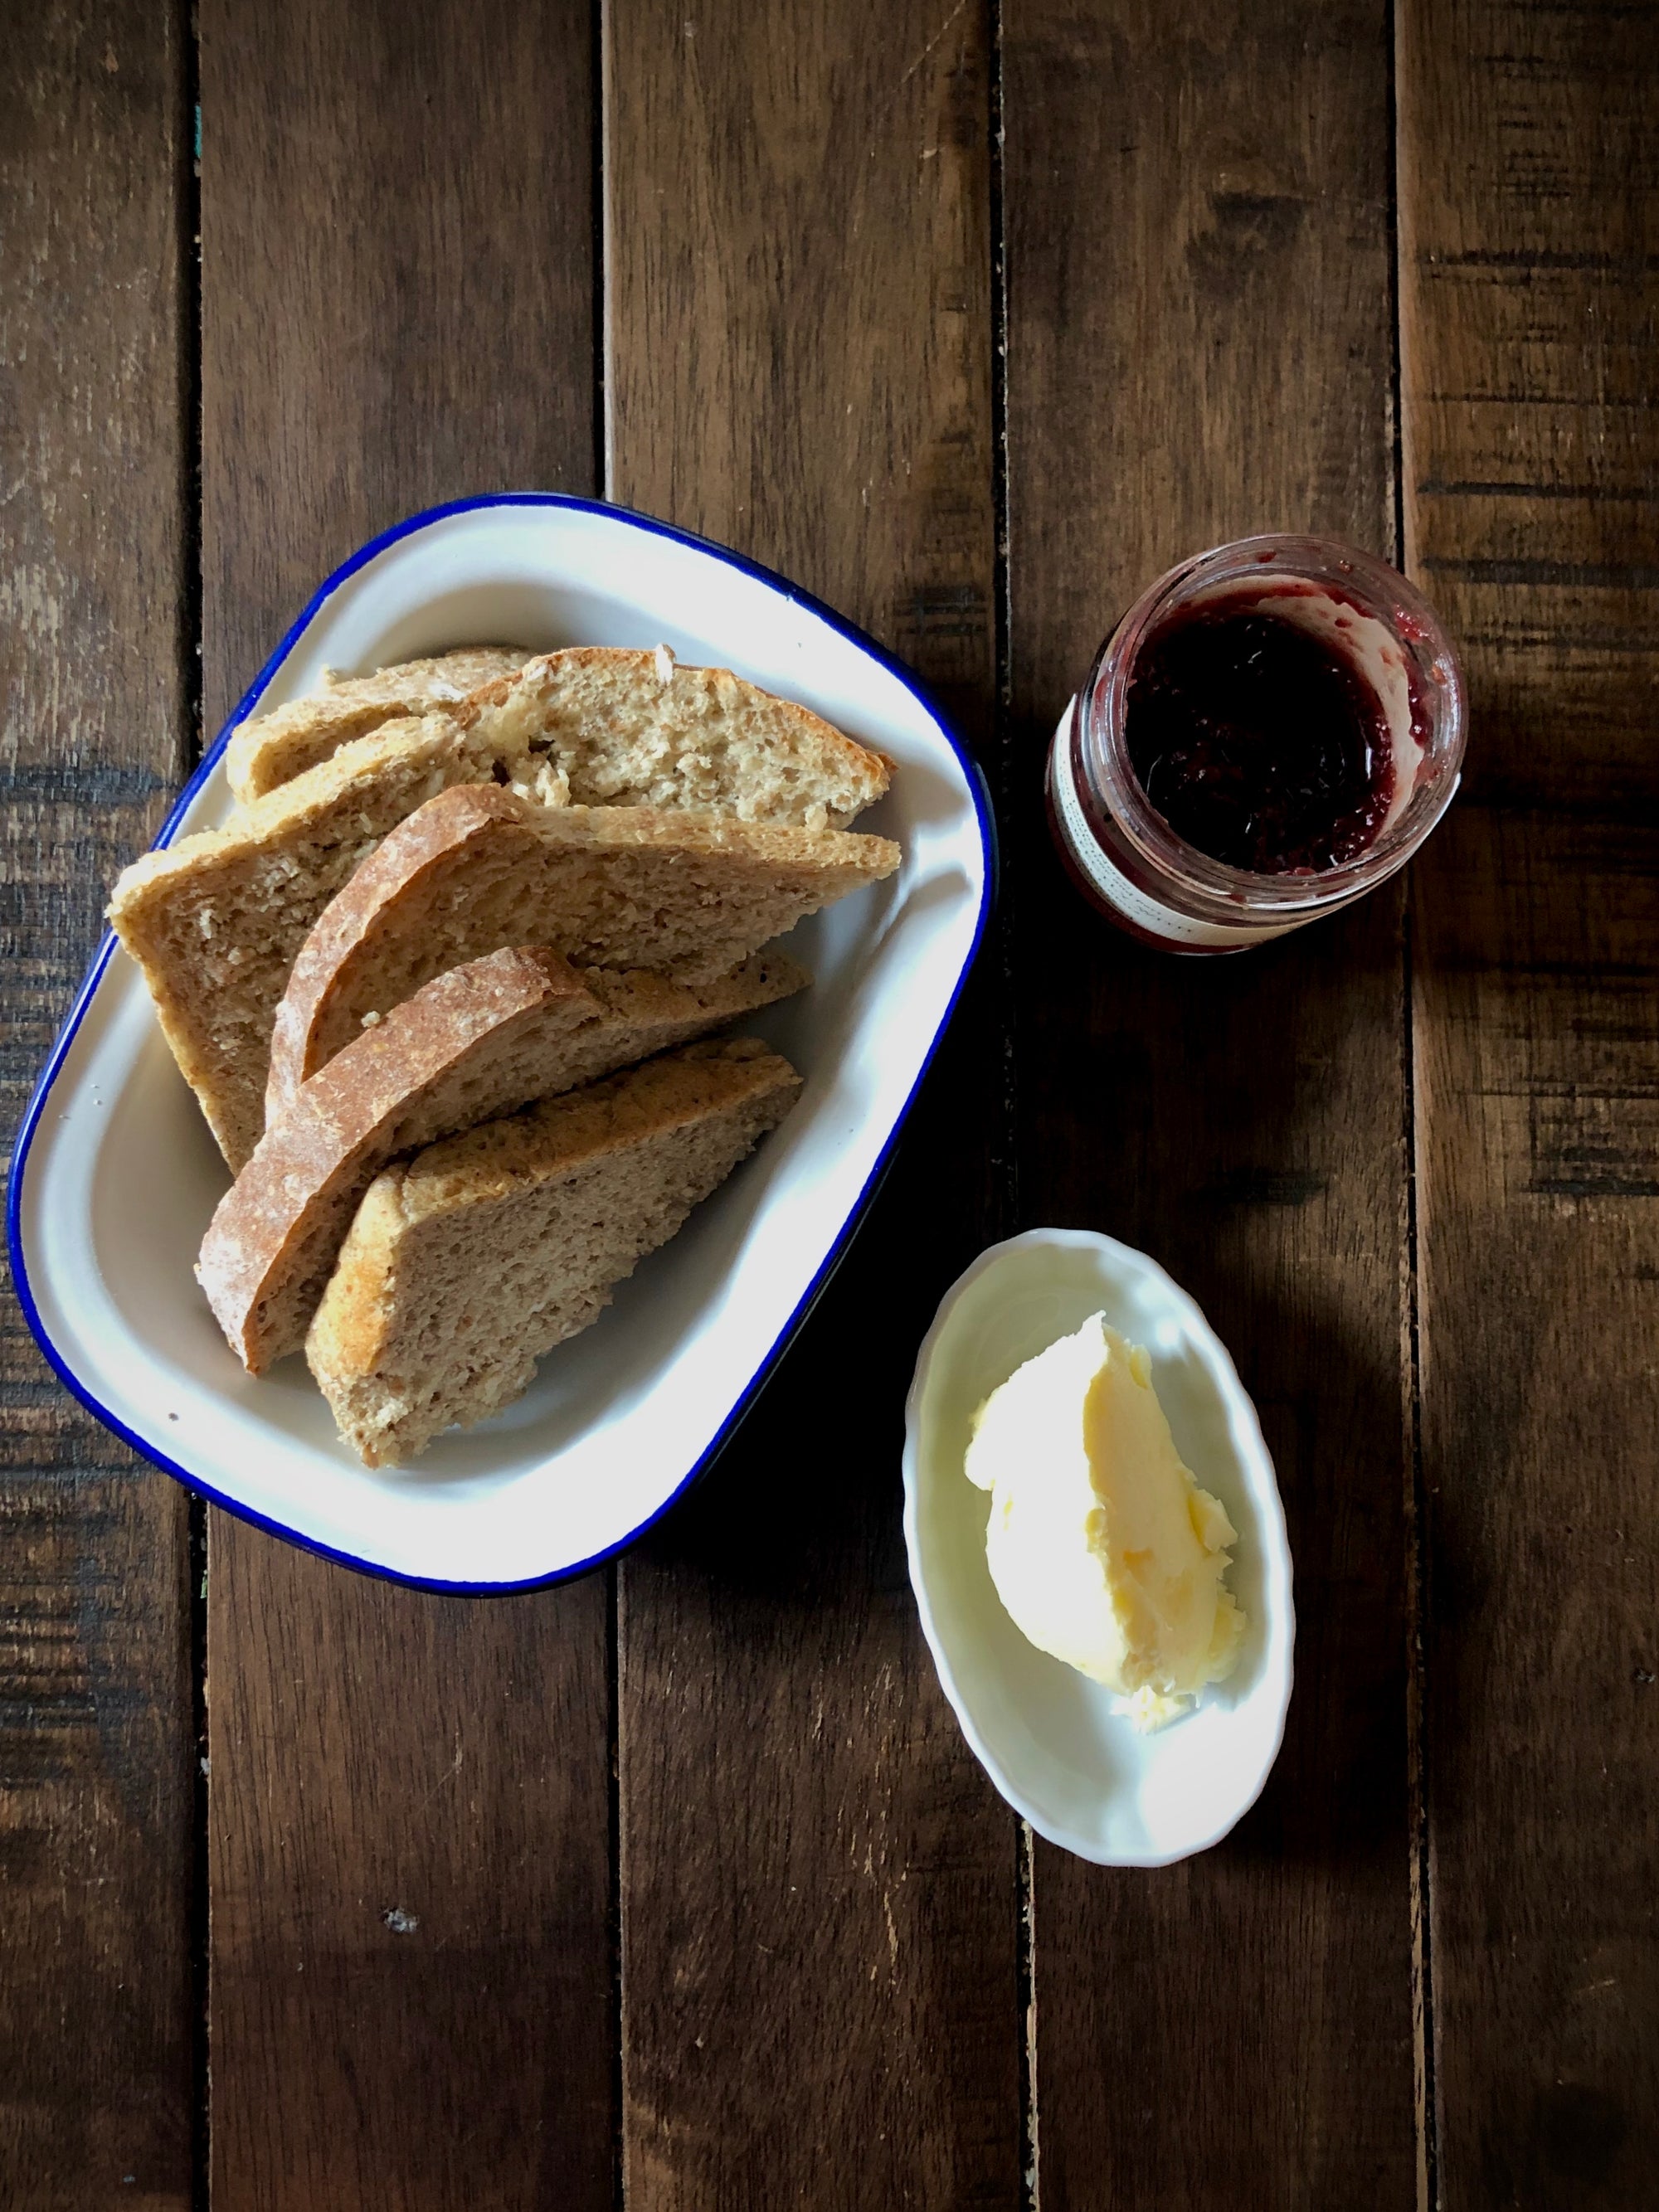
(114, 1177)
(1082, 1775)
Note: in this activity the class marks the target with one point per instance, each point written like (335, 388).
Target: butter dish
(114, 1176)
(1079, 1770)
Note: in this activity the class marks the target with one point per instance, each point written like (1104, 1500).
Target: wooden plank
(97, 2008)
(1529, 211)
(412, 1842)
(820, 1927)
(1199, 347)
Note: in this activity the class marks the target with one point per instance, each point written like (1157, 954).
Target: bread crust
(373, 1101)
(379, 939)
(215, 920)
(475, 1043)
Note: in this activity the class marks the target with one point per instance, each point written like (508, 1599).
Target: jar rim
(1375, 589)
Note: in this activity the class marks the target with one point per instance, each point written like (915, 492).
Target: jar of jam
(1270, 731)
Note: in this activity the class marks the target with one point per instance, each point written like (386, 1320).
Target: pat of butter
(1102, 1545)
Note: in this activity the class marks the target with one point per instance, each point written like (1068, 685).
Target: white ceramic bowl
(114, 1177)
(1082, 1775)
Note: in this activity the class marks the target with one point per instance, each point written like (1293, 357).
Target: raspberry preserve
(1272, 730)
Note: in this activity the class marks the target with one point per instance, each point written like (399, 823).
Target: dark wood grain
(1199, 347)
(1529, 206)
(416, 1947)
(413, 1963)
(97, 2009)
(820, 1998)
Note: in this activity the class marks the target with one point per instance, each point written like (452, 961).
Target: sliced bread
(601, 726)
(608, 886)
(485, 1038)
(215, 920)
(467, 1263)
(475, 1043)
(274, 748)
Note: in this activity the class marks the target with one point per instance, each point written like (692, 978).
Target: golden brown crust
(373, 1099)
(480, 1040)
(371, 934)
(213, 921)
(436, 835)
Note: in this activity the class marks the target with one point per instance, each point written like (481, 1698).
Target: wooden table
(677, 1887)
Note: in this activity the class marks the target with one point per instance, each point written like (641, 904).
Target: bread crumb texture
(216, 919)
(600, 726)
(275, 747)
(467, 1264)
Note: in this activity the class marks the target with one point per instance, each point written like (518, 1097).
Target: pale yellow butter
(1100, 1543)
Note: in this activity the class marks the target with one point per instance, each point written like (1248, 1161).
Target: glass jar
(1122, 854)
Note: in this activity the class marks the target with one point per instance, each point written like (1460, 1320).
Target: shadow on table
(795, 1539)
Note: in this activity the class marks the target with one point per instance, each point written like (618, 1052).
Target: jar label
(1115, 887)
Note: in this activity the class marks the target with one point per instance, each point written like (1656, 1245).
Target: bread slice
(466, 1265)
(475, 1043)
(274, 748)
(608, 886)
(483, 1039)
(215, 920)
(595, 726)
(605, 727)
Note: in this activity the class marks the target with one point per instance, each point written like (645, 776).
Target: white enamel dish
(1081, 1774)
(114, 1177)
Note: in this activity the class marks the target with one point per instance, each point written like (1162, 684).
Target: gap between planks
(187, 200)
(1428, 2187)
(1005, 1156)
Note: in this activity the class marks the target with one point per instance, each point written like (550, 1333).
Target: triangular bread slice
(483, 1039)
(608, 886)
(604, 726)
(594, 725)
(467, 1263)
(215, 920)
(274, 748)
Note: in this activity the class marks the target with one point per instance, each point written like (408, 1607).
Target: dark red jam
(1257, 741)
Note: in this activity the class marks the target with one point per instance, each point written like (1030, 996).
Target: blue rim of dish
(978, 790)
